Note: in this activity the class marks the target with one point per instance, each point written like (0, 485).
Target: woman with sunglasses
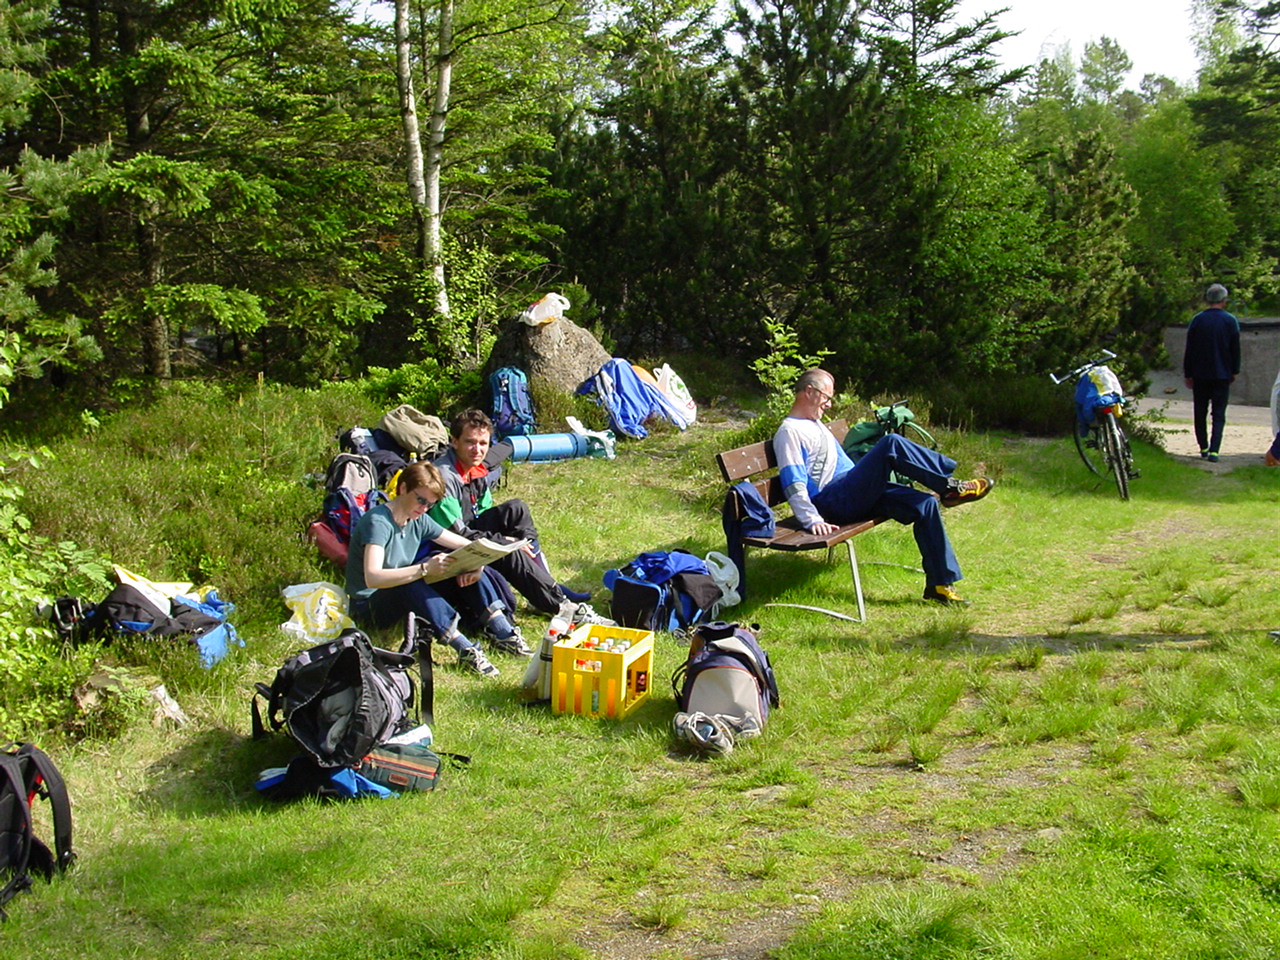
(389, 557)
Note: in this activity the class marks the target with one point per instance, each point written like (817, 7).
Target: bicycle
(897, 417)
(1100, 440)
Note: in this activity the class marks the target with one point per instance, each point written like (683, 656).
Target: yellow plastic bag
(319, 612)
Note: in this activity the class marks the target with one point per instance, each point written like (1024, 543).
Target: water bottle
(540, 666)
(537, 675)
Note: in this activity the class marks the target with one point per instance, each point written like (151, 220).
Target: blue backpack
(512, 404)
(662, 590)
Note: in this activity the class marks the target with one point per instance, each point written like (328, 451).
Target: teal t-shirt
(400, 544)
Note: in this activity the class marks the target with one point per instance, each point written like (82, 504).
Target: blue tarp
(628, 400)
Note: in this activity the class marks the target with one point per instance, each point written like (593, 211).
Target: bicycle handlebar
(1083, 368)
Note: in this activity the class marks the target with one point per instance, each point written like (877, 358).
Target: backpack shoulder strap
(520, 399)
(44, 779)
(425, 667)
(20, 852)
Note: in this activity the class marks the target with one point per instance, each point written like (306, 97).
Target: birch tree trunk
(423, 182)
(435, 153)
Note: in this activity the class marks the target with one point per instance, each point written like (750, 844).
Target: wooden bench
(757, 463)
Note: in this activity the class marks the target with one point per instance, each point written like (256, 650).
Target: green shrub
(426, 385)
(37, 674)
(1023, 404)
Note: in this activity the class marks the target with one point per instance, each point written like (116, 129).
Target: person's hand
(822, 528)
(437, 565)
(469, 578)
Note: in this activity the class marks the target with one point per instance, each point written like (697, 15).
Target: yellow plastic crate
(601, 683)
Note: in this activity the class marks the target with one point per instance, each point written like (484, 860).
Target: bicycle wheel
(920, 435)
(1117, 448)
(1090, 448)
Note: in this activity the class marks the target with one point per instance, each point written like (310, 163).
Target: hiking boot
(513, 644)
(473, 659)
(943, 594)
(966, 491)
(585, 614)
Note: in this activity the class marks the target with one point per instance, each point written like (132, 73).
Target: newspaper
(475, 555)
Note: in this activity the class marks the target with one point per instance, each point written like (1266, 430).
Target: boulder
(560, 354)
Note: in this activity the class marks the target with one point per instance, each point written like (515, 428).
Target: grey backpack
(724, 690)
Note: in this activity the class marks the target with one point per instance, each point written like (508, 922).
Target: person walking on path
(1210, 364)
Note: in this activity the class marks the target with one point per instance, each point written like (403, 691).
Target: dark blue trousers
(1206, 394)
(868, 491)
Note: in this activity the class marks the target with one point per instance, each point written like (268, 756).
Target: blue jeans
(437, 602)
(867, 491)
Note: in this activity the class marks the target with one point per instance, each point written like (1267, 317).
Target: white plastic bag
(551, 307)
(674, 389)
(319, 612)
(725, 574)
(599, 444)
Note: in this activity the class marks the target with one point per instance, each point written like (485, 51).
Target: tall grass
(1014, 780)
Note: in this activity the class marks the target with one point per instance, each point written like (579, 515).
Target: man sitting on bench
(827, 490)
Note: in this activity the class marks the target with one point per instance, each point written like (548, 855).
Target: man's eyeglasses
(822, 396)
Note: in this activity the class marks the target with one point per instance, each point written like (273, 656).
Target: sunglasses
(423, 501)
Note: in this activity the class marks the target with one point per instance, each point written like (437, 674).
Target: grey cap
(1216, 293)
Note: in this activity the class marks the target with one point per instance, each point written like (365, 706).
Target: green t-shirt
(400, 544)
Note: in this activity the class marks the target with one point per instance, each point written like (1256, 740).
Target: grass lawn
(1085, 763)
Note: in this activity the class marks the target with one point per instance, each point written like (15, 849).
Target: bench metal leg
(857, 591)
(857, 581)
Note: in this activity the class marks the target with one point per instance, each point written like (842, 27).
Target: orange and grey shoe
(966, 491)
(944, 594)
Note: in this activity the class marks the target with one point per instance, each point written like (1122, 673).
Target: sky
(1156, 34)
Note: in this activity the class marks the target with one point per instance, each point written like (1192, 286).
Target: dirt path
(1246, 438)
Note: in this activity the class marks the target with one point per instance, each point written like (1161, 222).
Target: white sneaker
(513, 644)
(473, 659)
(584, 613)
(707, 735)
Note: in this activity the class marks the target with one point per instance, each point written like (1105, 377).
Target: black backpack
(26, 773)
(342, 698)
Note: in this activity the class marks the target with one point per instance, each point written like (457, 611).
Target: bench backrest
(744, 463)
